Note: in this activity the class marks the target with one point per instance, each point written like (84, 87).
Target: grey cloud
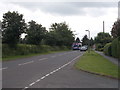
(66, 8)
(95, 4)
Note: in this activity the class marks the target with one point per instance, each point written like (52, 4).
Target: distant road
(51, 71)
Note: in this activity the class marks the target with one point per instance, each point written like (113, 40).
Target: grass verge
(95, 63)
(29, 55)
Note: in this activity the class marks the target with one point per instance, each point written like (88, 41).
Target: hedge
(113, 49)
(25, 49)
(118, 48)
(115, 46)
(107, 49)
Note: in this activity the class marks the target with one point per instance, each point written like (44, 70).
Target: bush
(99, 47)
(119, 48)
(113, 49)
(64, 48)
(25, 49)
(115, 46)
(107, 49)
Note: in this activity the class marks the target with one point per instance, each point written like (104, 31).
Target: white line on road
(53, 56)
(38, 80)
(3, 68)
(43, 59)
(60, 55)
(65, 53)
(43, 77)
(25, 88)
(25, 63)
(32, 84)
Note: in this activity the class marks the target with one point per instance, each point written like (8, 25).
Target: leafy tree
(35, 33)
(103, 38)
(85, 40)
(116, 29)
(51, 38)
(13, 26)
(60, 35)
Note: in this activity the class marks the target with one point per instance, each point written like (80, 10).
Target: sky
(80, 15)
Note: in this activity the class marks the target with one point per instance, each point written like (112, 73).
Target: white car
(83, 48)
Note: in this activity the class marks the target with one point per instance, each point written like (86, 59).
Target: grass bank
(95, 63)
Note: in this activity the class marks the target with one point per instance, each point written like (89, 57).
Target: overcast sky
(79, 15)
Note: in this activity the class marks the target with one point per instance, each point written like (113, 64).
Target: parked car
(83, 48)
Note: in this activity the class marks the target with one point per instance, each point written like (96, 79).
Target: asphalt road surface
(51, 71)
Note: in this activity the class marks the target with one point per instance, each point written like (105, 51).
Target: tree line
(104, 38)
(13, 26)
(59, 34)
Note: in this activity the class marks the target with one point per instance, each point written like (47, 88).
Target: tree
(103, 38)
(116, 29)
(13, 26)
(51, 38)
(77, 40)
(91, 42)
(61, 34)
(35, 33)
(85, 40)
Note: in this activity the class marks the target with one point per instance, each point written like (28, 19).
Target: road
(51, 71)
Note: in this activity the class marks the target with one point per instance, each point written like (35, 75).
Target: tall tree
(91, 42)
(116, 29)
(13, 26)
(85, 40)
(35, 33)
(62, 34)
(77, 40)
(51, 38)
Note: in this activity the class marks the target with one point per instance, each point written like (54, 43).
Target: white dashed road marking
(50, 73)
(25, 63)
(3, 68)
(60, 55)
(53, 56)
(43, 59)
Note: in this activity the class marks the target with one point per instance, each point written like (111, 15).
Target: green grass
(29, 55)
(96, 63)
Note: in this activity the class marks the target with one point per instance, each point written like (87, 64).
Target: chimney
(103, 27)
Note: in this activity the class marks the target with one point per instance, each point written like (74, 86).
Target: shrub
(115, 48)
(99, 47)
(25, 49)
(64, 48)
(107, 49)
(119, 48)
